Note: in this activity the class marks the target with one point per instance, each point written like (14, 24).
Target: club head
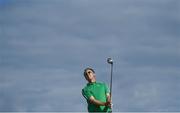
(110, 61)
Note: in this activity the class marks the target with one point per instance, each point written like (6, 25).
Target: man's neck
(93, 80)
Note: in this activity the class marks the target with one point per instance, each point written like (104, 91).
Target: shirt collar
(91, 83)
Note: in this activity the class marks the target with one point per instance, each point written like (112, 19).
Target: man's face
(90, 75)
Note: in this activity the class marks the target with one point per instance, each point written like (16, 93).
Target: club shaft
(111, 81)
(111, 84)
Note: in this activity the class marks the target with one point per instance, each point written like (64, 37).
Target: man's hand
(109, 104)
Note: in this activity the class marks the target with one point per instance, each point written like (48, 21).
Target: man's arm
(97, 102)
(108, 99)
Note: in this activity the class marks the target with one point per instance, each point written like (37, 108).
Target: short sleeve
(87, 94)
(106, 88)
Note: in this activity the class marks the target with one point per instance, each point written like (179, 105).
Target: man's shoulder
(100, 83)
(86, 87)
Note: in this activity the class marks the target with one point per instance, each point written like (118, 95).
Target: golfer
(96, 94)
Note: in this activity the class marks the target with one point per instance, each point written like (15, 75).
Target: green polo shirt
(98, 91)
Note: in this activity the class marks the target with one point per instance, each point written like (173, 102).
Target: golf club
(110, 61)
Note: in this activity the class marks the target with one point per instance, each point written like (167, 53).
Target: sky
(45, 45)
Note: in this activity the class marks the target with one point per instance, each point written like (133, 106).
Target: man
(97, 94)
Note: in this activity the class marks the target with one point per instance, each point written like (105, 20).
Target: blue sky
(46, 44)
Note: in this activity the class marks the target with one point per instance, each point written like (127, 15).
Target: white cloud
(45, 45)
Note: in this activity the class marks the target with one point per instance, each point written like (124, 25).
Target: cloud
(45, 45)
